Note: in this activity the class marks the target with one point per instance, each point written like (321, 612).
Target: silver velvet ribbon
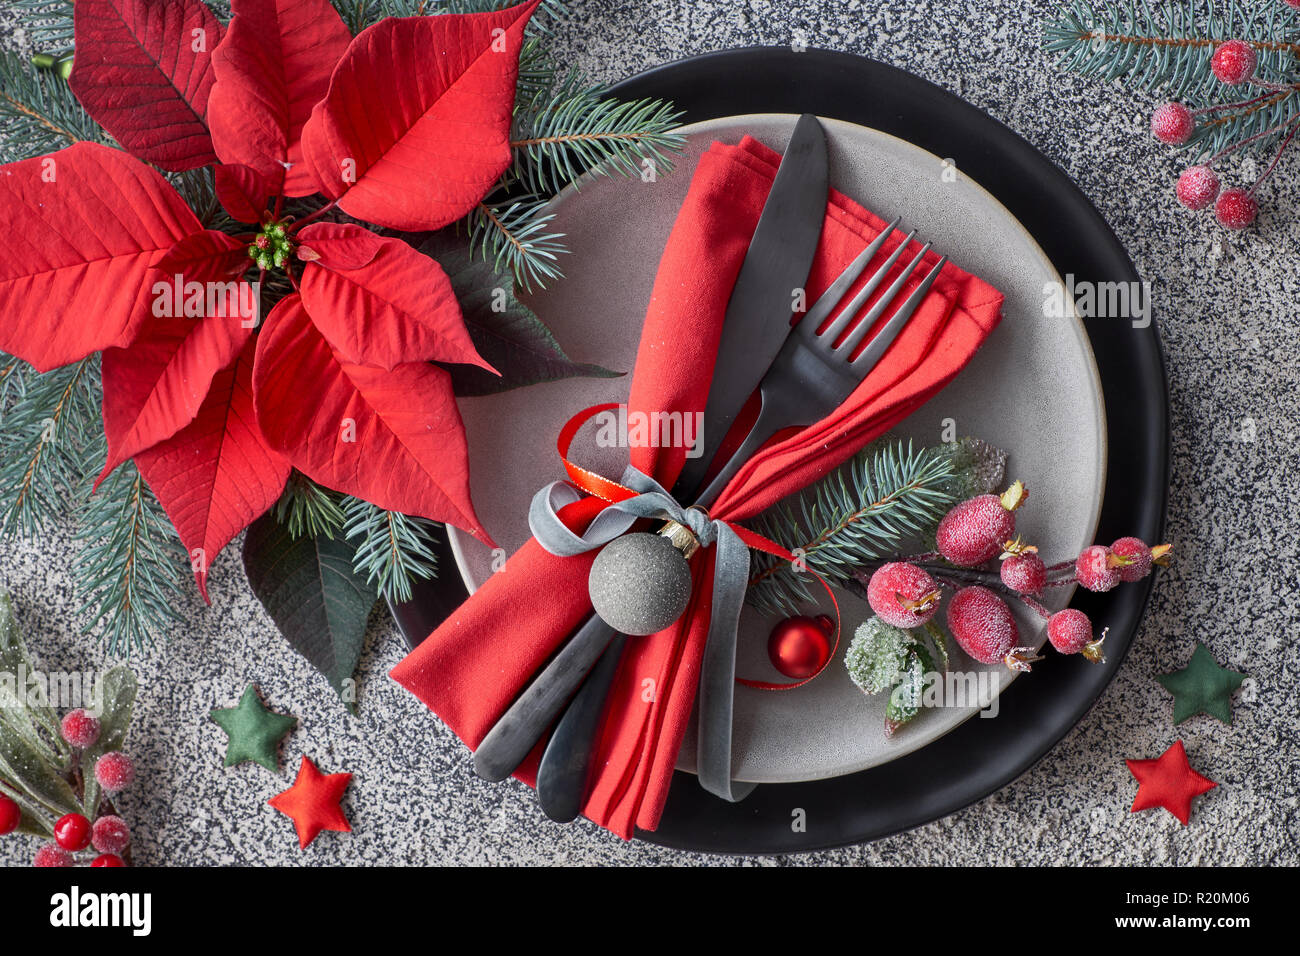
(730, 579)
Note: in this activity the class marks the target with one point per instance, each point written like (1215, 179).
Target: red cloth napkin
(472, 667)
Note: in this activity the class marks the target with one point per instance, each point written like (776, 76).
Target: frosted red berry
(902, 594)
(111, 835)
(1024, 573)
(51, 854)
(1197, 187)
(1234, 62)
(1236, 208)
(79, 728)
(974, 531)
(982, 624)
(10, 815)
(1094, 569)
(1069, 630)
(72, 831)
(107, 859)
(1138, 555)
(1172, 123)
(114, 771)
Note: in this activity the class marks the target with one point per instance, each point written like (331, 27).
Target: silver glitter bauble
(640, 583)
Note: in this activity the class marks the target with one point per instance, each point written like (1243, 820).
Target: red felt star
(1168, 781)
(313, 802)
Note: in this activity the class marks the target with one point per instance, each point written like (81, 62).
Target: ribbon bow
(639, 496)
(649, 499)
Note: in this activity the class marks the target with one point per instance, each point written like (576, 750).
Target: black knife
(755, 327)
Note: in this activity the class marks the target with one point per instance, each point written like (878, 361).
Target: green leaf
(24, 710)
(506, 333)
(28, 770)
(115, 692)
(877, 656)
(316, 598)
(905, 699)
(940, 642)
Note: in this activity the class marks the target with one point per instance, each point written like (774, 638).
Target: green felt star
(1202, 687)
(254, 731)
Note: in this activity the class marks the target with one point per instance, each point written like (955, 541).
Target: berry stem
(1272, 130)
(1036, 607)
(1220, 107)
(919, 558)
(1061, 582)
(1276, 157)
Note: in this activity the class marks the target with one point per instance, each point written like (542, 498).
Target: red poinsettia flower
(405, 126)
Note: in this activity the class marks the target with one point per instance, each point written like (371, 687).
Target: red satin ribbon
(613, 492)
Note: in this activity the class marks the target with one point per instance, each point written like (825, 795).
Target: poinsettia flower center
(272, 247)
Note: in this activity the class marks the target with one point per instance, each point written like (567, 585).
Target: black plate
(980, 756)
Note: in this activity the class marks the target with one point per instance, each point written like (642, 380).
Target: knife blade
(762, 301)
(756, 325)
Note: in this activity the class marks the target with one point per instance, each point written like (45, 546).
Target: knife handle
(517, 731)
(564, 775)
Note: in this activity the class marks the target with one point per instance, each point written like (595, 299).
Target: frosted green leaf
(877, 657)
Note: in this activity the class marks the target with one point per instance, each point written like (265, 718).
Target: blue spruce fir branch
(393, 549)
(1167, 49)
(131, 564)
(886, 497)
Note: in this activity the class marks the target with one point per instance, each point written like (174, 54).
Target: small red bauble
(72, 832)
(1197, 187)
(79, 728)
(1236, 209)
(1234, 62)
(114, 771)
(801, 646)
(111, 834)
(51, 854)
(107, 859)
(1172, 123)
(10, 815)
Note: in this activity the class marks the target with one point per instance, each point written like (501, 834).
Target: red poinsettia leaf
(82, 226)
(207, 256)
(338, 245)
(272, 67)
(154, 388)
(143, 70)
(217, 475)
(394, 438)
(415, 128)
(398, 307)
(242, 191)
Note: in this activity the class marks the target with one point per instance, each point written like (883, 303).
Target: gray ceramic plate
(1032, 390)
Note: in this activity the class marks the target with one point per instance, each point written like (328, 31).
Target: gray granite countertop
(1226, 309)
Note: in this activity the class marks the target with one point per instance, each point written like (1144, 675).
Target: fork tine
(885, 338)
(884, 302)
(836, 291)
(845, 318)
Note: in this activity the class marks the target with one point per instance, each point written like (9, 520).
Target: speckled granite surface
(1226, 310)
